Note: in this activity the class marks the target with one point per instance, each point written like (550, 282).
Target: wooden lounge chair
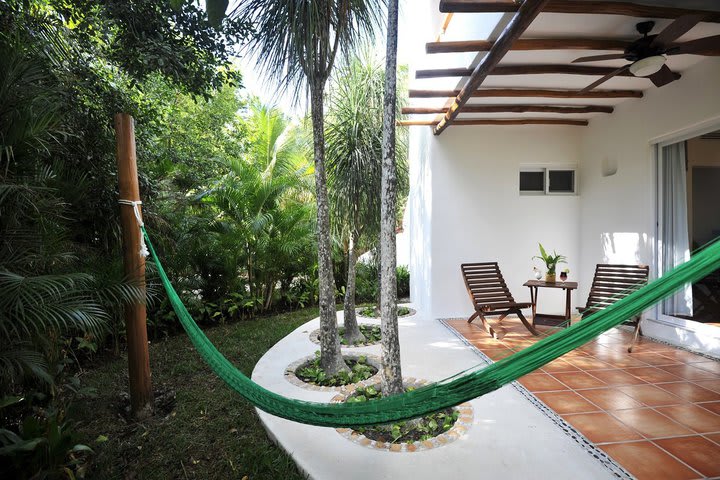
(612, 283)
(490, 296)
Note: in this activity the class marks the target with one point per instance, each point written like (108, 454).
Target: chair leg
(496, 334)
(636, 334)
(472, 317)
(527, 324)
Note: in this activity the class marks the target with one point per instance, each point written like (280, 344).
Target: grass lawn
(210, 433)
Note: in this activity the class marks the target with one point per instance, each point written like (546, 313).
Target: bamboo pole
(141, 398)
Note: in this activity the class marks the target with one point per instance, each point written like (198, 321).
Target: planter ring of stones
(315, 336)
(292, 377)
(359, 313)
(461, 426)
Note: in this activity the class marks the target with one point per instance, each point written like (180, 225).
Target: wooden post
(141, 398)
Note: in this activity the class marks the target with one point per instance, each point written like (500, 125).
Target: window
(561, 181)
(532, 181)
(548, 180)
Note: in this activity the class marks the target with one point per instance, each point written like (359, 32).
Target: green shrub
(403, 282)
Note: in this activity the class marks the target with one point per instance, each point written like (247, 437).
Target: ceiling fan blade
(663, 76)
(605, 78)
(597, 58)
(679, 27)
(708, 46)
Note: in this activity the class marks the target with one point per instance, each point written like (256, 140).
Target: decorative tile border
(292, 378)
(605, 460)
(315, 336)
(461, 426)
(412, 312)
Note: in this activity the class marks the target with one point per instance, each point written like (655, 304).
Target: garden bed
(306, 372)
(372, 312)
(369, 330)
(431, 431)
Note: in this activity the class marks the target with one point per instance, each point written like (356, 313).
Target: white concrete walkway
(511, 438)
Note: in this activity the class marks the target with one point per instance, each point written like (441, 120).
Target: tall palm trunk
(391, 377)
(352, 331)
(330, 357)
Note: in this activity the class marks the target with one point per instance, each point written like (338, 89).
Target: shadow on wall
(629, 248)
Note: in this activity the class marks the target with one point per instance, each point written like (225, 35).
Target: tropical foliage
(354, 151)
(228, 186)
(300, 42)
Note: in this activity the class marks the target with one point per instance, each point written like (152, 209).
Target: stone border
(315, 336)
(461, 426)
(412, 312)
(291, 377)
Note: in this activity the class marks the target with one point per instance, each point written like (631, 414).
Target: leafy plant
(371, 333)
(551, 261)
(417, 429)
(359, 370)
(373, 312)
(403, 282)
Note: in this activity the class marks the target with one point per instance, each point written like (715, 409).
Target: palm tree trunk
(352, 331)
(391, 375)
(330, 357)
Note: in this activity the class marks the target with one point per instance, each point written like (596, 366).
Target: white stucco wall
(466, 207)
(618, 212)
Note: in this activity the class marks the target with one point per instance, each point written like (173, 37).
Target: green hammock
(453, 390)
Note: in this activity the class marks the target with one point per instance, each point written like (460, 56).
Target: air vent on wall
(711, 136)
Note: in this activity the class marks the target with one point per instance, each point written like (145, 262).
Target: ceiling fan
(647, 55)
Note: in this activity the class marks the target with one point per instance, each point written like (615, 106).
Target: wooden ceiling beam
(580, 7)
(514, 121)
(564, 109)
(526, 44)
(524, 70)
(528, 92)
(526, 13)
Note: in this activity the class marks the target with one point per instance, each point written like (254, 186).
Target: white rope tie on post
(135, 203)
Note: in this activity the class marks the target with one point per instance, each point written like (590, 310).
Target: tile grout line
(606, 460)
(672, 362)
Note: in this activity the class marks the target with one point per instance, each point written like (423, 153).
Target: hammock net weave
(453, 390)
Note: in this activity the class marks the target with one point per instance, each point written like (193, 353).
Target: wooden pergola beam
(514, 109)
(526, 13)
(579, 7)
(528, 93)
(524, 70)
(514, 121)
(526, 44)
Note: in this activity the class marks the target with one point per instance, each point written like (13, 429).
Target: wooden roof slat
(564, 109)
(611, 44)
(526, 13)
(528, 92)
(524, 70)
(580, 7)
(503, 121)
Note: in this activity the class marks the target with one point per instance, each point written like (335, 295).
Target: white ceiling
(470, 26)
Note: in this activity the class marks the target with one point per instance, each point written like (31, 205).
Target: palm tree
(354, 150)
(261, 205)
(391, 373)
(298, 41)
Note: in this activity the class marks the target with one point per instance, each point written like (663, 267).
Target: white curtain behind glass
(675, 247)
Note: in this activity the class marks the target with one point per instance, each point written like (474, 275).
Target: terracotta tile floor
(656, 411)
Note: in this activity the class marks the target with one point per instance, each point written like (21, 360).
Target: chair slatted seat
(611, 283)
(490, 296)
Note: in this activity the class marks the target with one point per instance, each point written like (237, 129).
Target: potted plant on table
(551, 262)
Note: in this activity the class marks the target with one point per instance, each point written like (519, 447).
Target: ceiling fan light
(647, 66)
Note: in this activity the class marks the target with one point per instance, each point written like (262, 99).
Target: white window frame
(546, 169)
